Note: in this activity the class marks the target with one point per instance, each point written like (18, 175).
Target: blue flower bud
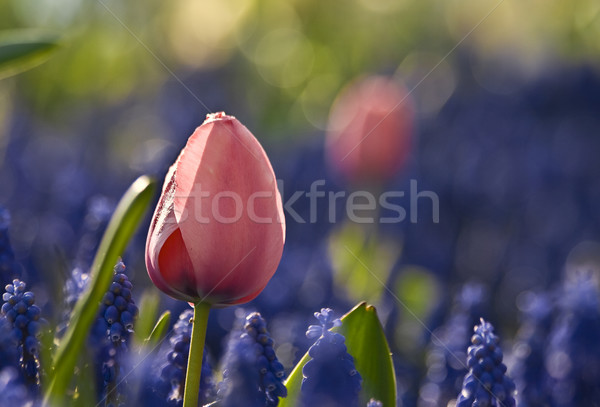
(111, 314)
(486, 383)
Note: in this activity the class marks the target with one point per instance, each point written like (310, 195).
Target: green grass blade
(148, 307)
(366, 342)
(159, 331)
(121, 228)
(24, 49)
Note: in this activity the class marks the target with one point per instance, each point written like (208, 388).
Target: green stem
(194, 367)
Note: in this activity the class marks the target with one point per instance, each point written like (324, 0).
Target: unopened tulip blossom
(217, 233)
(370, 130)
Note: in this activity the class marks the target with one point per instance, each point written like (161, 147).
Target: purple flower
(24, 316)
(253, 376)
(116, 317)
(173, 372)
(486, 384)
(330, 378)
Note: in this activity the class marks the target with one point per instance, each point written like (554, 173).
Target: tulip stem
(194, 367)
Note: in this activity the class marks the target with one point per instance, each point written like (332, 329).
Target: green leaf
(148, 307)
(159, 331)
(362, 262)
(419, 292)
(24, 49)
(123, 224)
(366, 342)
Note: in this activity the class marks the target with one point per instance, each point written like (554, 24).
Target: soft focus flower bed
(405, 255)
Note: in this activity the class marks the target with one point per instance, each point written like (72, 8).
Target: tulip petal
(218, 231)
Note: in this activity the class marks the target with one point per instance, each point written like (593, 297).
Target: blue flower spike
(24, 316)
(486, 384)
(116, 316)
(374, 403)
(173, 371)
(330, 377)
(13, 391)
(572, 357)
(253, 376)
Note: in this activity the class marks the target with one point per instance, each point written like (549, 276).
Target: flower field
(251, 204)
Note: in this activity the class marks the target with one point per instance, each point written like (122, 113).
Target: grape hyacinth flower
(529, 370)
(8, 345)
(374, 403)
(446, 353)
(117, 314)
(253, 376)
(329, 378)
(573, 356)
(14, 392)
(173, 372)
(75, 286)
(20, 310)
(486, 384)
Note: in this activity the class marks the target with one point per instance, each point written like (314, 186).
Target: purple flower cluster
(330, 377)
(117, 314)
(253, 376)
(173, 372)
(20, 310)
(486, 384)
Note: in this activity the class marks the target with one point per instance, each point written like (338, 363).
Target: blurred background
(506, 99)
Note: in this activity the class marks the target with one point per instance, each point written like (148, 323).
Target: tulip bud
(218, 230)
(369, 130)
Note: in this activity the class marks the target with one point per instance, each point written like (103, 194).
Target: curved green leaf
(148, 307)
(24, 49)
(160, 330)
(123, 224)
(366, 342)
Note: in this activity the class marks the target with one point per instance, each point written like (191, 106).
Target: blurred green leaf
(148, 307)
(159, 331)
(419, 292)
(418, 289)
(121, 227)
(361, 263)
(24, 49)
(366, 343)
(85, 393)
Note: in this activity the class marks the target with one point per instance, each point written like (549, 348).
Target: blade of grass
(159, 331)
(24, 49)
(148, 307)
(121, 228)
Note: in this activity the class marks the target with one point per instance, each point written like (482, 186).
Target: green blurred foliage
(24, 49)
(362, 262)
(285, 61)
(149, 302)
(419, 292)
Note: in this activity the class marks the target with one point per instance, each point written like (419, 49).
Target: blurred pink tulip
(369, 131)
(218, 231)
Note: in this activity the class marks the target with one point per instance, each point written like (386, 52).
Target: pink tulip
(369, 131)
(218, 231)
